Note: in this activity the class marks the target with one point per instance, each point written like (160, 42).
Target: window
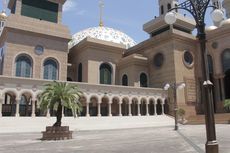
(50, 70)
(23, 66)
(79, 73)
(158, 60)
(162, 9)
(188, 59)
(210, 64)
(169, 6)
(105, 74)
(125, 80)
(226, 60)
(40, 9)
(143, 80)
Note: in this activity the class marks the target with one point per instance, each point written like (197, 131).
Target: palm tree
(227, 104)
(57, 95)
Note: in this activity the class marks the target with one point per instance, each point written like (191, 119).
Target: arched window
(125, 80)
(105, 74)
(143, 80)
(226, 71)
(50, 70)
(210, 64)
(23, 66)
(226, 60)
(169, 6)
(162, 9)
(79, 73)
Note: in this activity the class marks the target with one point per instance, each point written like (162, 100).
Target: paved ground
(189, 139)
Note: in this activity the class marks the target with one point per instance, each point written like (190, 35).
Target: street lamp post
(198, 9)
(175, 86)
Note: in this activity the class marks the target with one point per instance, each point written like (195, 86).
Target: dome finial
(4, 6)
(101, 5)
(3, 13)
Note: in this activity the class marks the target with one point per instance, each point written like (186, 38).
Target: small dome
(225, 23)
(210, 28)
(103, 33)
(3, 15)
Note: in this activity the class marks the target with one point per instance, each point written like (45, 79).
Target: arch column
(1, 102)
(110, 112)
(155, 107)
(147, 109)
(138, 108)
(130, 114)
(33, 108)
(62, 111)
(48, 113)
(163, 110)
(87, 109)
(17, 107)
(99, 109)
(120, 114)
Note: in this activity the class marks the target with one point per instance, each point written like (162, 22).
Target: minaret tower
(226, 5)
(3, 16)
(165, 5)
(157, 25)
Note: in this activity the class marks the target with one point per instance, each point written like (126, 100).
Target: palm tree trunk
(58, 115)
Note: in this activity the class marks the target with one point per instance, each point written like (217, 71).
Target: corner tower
(226, 5)
(165, 5)
(158, 25)
(35, 40)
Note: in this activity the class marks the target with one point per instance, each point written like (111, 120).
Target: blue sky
(127, 16)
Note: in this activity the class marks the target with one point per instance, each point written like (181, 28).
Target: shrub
(227, 104)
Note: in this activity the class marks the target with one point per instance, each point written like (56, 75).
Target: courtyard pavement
(189, 139)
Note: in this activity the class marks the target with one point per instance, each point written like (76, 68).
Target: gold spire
(4, 6)
(101, 5)
(3, 13)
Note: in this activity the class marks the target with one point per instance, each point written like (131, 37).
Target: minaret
(3, 16)
(165, 5)
(218, 4)
(157, 25)
(226, 5)
(101, 6)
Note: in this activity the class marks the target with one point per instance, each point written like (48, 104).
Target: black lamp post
(198, 10)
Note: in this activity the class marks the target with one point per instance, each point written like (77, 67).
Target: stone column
(147, 109)
(110, 112)
(99, 110)
(155, 109)
(48, 113)
(138, 109)
(1, 102)
(17, 107)
(130, 113)
(163, 110)
(62, 111)
(87, 109)
(33, 108)
(120, 114)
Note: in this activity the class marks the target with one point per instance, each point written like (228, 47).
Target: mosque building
(117, 76)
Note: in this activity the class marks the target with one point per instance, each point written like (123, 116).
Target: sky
(127, 16)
